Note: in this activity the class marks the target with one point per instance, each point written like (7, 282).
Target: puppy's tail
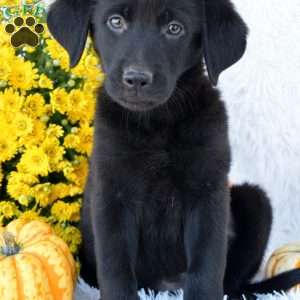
(247, 201)
(282, 282)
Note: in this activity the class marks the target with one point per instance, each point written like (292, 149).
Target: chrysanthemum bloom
(8, 147)
(59, 100)
(34, 105)
(5, 71)
(45, 82)
(24, 75)
(7, 209)
(22, 125)
(11, 101)
(34, 161)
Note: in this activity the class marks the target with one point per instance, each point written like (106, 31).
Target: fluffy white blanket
(262, 93)
(84, 292)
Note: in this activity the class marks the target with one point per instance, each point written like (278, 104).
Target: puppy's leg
(205, 244)
(116, 236)
(87, 253)
(252, 219)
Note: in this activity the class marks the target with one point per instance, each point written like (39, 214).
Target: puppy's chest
(162, 205)
(162, 169)
(161, 225)
(163, 160)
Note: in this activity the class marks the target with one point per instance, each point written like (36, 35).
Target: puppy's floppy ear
(225, 36)
(68, 22)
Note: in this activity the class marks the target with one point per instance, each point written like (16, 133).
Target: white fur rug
(262, 93)
(84, 292)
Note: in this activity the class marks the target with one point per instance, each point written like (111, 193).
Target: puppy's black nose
(137, 79)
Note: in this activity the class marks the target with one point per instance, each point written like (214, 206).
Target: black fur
(157, 205)
(225, 38)
(252, 216)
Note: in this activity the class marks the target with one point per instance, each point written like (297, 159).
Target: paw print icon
(24, 31)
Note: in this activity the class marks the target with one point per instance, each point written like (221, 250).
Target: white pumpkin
(284, 259)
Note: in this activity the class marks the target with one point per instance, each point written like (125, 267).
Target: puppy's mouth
(137, 105)
(135, 100)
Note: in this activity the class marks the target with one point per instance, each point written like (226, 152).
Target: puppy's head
(146, 45)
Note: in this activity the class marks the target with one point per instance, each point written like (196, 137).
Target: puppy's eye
(117, 23)
(175, 29)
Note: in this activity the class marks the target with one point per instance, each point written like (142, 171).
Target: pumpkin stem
(10, 246)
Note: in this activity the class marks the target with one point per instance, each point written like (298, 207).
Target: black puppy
(157, 205)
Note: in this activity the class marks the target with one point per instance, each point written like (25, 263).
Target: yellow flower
(24, 200)
(19, 186)
(53, 150)
(8, 209)
(78, 172)
(72, 141)
(34, 105)
(77, 100)
(30, 215)
(6, 122)
(62, 190)
(59, 191)
(34, 161)
(11, 101)
(8, 147)
(36, 137)
(9, 2)
(19, 191)
(95, 75)
(23, 125)
(79, 70)
(7, 51)
(54, 131)
(78, 105)
(86, 139)
(48, 113)
(59, 100)
(58, 53)
(85, 115)
(89, 86)
(42, 194)
(71, 235)
(24, 75)
(15, 178)
(29, 49)
(88, 67)
(5, 70)
(45, 82)
(82, 140)
(91, 60)
(62, 211)
(4, 37)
